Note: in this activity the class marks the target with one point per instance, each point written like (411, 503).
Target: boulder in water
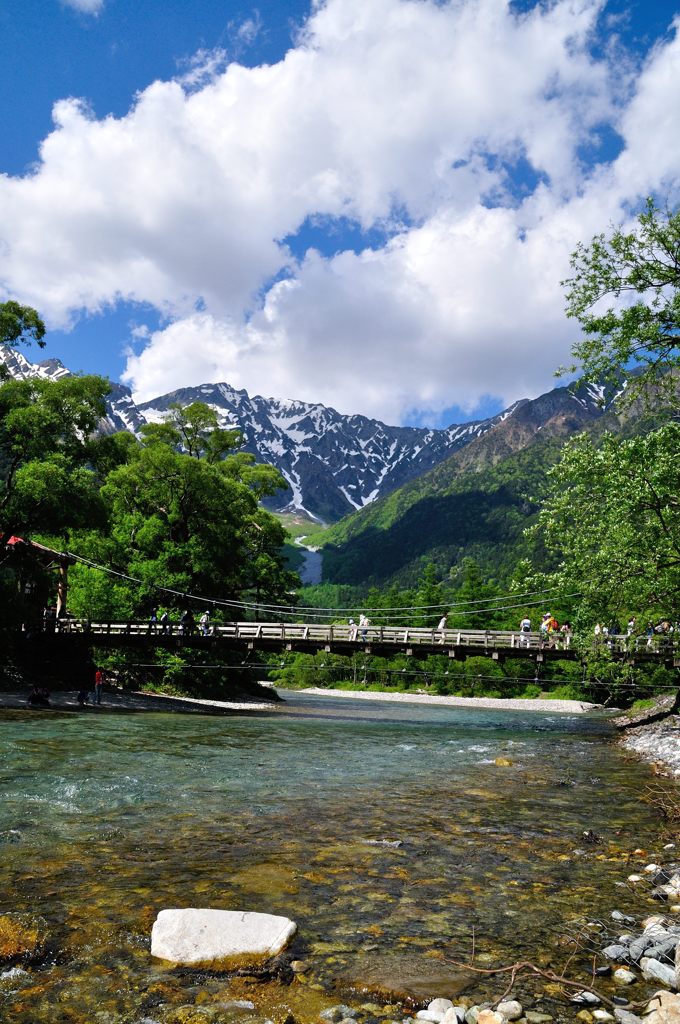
(227, 938)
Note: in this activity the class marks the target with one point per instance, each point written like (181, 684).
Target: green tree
(195, 428)
(429, 597)
(48, 458)
(625, 293)
(20, 324)
(193, 525)
(471, 596)
(613, 512)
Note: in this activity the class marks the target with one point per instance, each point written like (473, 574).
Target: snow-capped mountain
(122, 413)
(333, 464)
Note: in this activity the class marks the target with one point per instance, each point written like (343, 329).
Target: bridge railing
(374, 636)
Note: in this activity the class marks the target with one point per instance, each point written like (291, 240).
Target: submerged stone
(405, 977)
(200, 936)
(21, 937)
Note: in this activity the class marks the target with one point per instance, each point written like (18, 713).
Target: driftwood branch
(526, 966)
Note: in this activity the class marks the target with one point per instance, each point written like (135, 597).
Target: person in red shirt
(98, 683)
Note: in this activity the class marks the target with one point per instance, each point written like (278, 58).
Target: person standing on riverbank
(98, 683)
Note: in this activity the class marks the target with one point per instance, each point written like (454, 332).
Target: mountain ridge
(335, 464)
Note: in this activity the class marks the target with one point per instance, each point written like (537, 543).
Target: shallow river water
(388, 832)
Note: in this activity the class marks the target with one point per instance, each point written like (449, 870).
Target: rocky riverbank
(656, 742)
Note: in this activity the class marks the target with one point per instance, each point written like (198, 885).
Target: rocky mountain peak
(335, 464)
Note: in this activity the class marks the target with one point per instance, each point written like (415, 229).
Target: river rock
(440, 1006)
(586, 999)
(624, 976)
(338, 1013)
(603, 1015)
(428, 1015)
(662, 876)
(626, 1017)
(490, 1017)
(617, 952)
(663, 1008)
(618, 916)
(664, 950)
(653, 970)
(653, 919)
(534, 1017)
(200, 936)
(510, 1009)
(646, 941)
(454, 1015)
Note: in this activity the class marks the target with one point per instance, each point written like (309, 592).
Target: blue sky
(366, 205)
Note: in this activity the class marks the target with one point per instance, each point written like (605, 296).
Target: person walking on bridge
(442, 627)
(525, 629)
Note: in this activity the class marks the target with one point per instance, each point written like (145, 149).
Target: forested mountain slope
(476, 503)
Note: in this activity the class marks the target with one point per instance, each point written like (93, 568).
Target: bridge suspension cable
(390, 614)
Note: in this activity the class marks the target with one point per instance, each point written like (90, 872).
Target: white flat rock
(195, 936)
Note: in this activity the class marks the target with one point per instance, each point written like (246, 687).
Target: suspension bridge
(379, 640)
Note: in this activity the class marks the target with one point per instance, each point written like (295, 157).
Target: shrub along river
(388, 832)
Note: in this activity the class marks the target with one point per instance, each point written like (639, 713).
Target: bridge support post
(62, 589)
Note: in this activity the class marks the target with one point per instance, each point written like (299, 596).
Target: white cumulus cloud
(455, 130)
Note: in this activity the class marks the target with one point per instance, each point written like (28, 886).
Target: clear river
(387, 832)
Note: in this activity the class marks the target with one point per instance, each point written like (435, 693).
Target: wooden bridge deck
(382, 641)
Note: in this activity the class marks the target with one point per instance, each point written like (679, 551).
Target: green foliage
(48, 479)
(443, 517)
(570, 691)
(20, 324)
(613, 514)
(625, 294)
(187, 523)
(195, 430)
